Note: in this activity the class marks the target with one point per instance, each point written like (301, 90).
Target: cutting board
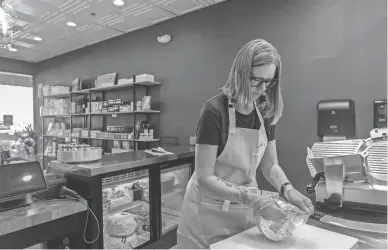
(306, 237)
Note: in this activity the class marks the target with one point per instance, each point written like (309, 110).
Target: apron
(207, 219)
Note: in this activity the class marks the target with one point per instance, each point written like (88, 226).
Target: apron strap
(232, 117)
(262, 127)
(259, 114)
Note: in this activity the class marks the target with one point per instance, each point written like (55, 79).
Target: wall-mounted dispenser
(336, 119)
(380, 114)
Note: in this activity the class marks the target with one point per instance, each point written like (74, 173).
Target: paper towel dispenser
(380, 114)
(336, 118)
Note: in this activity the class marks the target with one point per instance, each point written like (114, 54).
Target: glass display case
(126, 210)
(137, 197)
(173, 183)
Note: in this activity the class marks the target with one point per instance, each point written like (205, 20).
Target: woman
(235, 134)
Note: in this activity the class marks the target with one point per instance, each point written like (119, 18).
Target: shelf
(120, 86)
(63, 115)
(110, 113)
(148, 111)
(57, 95)
(151, 140)
(112, 139)
(81, 92)
(107, 113)
(50, 156)
(147, 83)
(126, 112)
(57, 136)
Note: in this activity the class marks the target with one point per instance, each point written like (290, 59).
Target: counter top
(38, 212)
(366, 240)
(122, 161)
(252, 239)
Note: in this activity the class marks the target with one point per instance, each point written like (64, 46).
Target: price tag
(114, 114)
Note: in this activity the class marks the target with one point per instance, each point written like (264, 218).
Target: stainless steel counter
(122, 161)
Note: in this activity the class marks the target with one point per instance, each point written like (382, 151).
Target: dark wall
(16, 66)
(330, 49)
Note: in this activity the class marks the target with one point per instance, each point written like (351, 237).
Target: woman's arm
(271, 169)
(205, 158)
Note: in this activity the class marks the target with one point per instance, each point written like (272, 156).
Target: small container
(147, 103)
(138, 105)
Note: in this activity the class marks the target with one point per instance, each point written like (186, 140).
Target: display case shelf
(115, 180)
(170, 223)
(175, 191)
(123, 207)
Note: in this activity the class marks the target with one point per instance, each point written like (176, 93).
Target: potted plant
(25, 145)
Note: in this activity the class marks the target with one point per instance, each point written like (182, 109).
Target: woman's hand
(296, 198)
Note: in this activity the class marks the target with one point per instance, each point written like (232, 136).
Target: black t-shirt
(213, 123)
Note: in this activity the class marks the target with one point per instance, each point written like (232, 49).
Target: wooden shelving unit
(89, 114)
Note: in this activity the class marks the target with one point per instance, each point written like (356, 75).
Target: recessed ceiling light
(71, 24)
(37, 38)
(118, 2)
(12, 49)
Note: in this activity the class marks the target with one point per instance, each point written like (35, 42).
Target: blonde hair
(255, 53)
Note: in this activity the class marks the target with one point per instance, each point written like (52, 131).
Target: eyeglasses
(257, 82)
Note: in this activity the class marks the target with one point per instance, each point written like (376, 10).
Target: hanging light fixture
(8, 20)
(7, 15)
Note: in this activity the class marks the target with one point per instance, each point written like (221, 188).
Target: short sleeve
(270, 129)
(209, 125)
(271, 133)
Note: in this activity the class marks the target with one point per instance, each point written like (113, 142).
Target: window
(16, 105)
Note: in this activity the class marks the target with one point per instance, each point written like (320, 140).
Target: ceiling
(96, 20)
